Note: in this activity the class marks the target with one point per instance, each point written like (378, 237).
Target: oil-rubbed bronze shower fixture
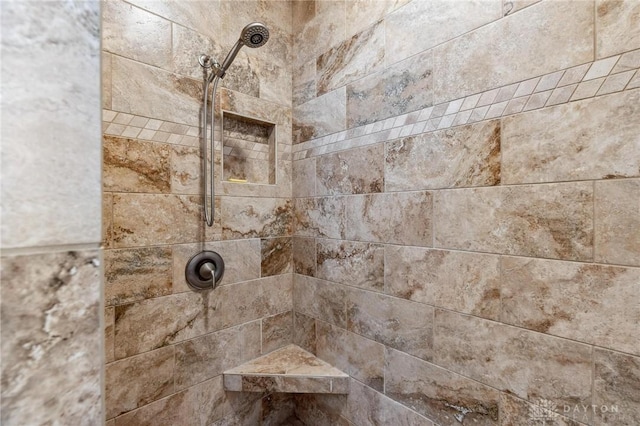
(204, 270)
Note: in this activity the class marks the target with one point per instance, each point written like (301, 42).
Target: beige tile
(553, 221)
(105, 61)
(464, 156)
(628, 61)
(244, 217)
(304, 332)
(322, 25)
(319, 217)
(304, 256)
(276, 256)
(109, 329)
(186, 47)
(439, 394)
(617, 222)
(320, 116)
(591, 139)
(514, 49)
(356, 171)
(589, 303)
(139, 380)
(304, 83)
(463, 282)
(515, 412)
(136, 274)
(561, 95)
(616, 385)
(304, 176)
(320, 300)
(617, 26)
(186, 170)
(615, 83)
(361, 14)
(351, 263)
(587, 89)
(107, 219)
(397, 323)
(277, 331)
(322, 410)
(529, 365)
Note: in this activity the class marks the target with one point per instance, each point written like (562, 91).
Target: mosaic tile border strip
(598, 78)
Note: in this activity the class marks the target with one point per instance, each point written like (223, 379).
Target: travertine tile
(529, 365)
(401, 218)
(304, 332)
(208, 356)
(277, 331)
(553, 221)
(51, 338)
(304, 256)
(136, 34)
(245, 217)
(398, 323)
(321, 21)
(107, 219)
(352, 59)
(463, 282)
(320, 299)
(617, 27)
(516, 412)
(304, 176)
(587, 89)
(617, 222)
(279, 409)
(139, 380)
(109, 329)
(439, 394)
(590, 303)
(420, 25)
(560, 95)
(616, 385)
(591, 139)
(276, 256)
(464, 156)
(186, 170)
(615, 83)
(320, 116)
(513, 6)
(186, 47)
(361, 14)
(304, 83)
(322, 410)
(515, 49)
(136, 274)
(628, 61)
(105, 59)
(320, 217)
(351, 263)
(361, 358)
(356, 171)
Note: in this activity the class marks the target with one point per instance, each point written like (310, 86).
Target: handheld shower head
(253, 35)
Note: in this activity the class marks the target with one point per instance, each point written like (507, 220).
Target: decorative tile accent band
(601, 77)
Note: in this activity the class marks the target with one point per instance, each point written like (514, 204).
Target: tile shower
(455, 219)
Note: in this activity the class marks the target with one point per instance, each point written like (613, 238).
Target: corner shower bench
(290, 369)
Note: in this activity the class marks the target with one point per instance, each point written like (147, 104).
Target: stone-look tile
(628, 61)
(617, 26)
(146, 219)
(139, 380)
(136, 274)
(131, 165)
(201, 404)
(365, 406)
(400, 218)
(398, 323)
(590, 303)
(463, 282)
(361, 14)
(514, 49)
(109, 334)
(304, 256)
(277, 331)
(241, 261)
(106, 79)
(320, 217)
(527, 364)
(304, 332)
(246, 409)
(186, 170)
(458, 157)
(516, 412)
(111, 422)
(304, 83)
(322, 22)
(356, 171)
(439, 394)
(151, 92)
(51, 338)
(136, 34)
(512, 6)
(320, 299)
(278, 410)
(275, 79)
(592, 139)
(186, 47)
(107, 219)
(552, 221)
(50, 125)
(616, 384)
(361, 358)
(320, 116)
(244, 217)
(352, 59)
(351, 263)
(321, 410)
(208, 356)
(422, 25)
(617, 222)
(304, 175)
(276, 256)
(403, 87)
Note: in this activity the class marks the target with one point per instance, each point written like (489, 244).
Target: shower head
(253, 35)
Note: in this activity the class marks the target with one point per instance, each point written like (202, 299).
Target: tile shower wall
(467, 240)
(166, 346)
(50, 271)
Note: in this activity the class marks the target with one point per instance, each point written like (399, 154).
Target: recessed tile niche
(249, 149)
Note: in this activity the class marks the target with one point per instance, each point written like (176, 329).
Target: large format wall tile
(617, 222)
(317, 26)
(458, 157)
(351, 263)
(463, 282)
(320, 299)
(244, 217)
(616, 384)
(276, 256)
(304, 256)
(590, 303)
(552, 221)
(514, 48)
(304, 175)
(439, 394)
(528, 364)
(51, 338)
(517, 412)
(618, 27)
(591, 139)
(320, 217)
(321, 116)
(356, 171)
(277, 331)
